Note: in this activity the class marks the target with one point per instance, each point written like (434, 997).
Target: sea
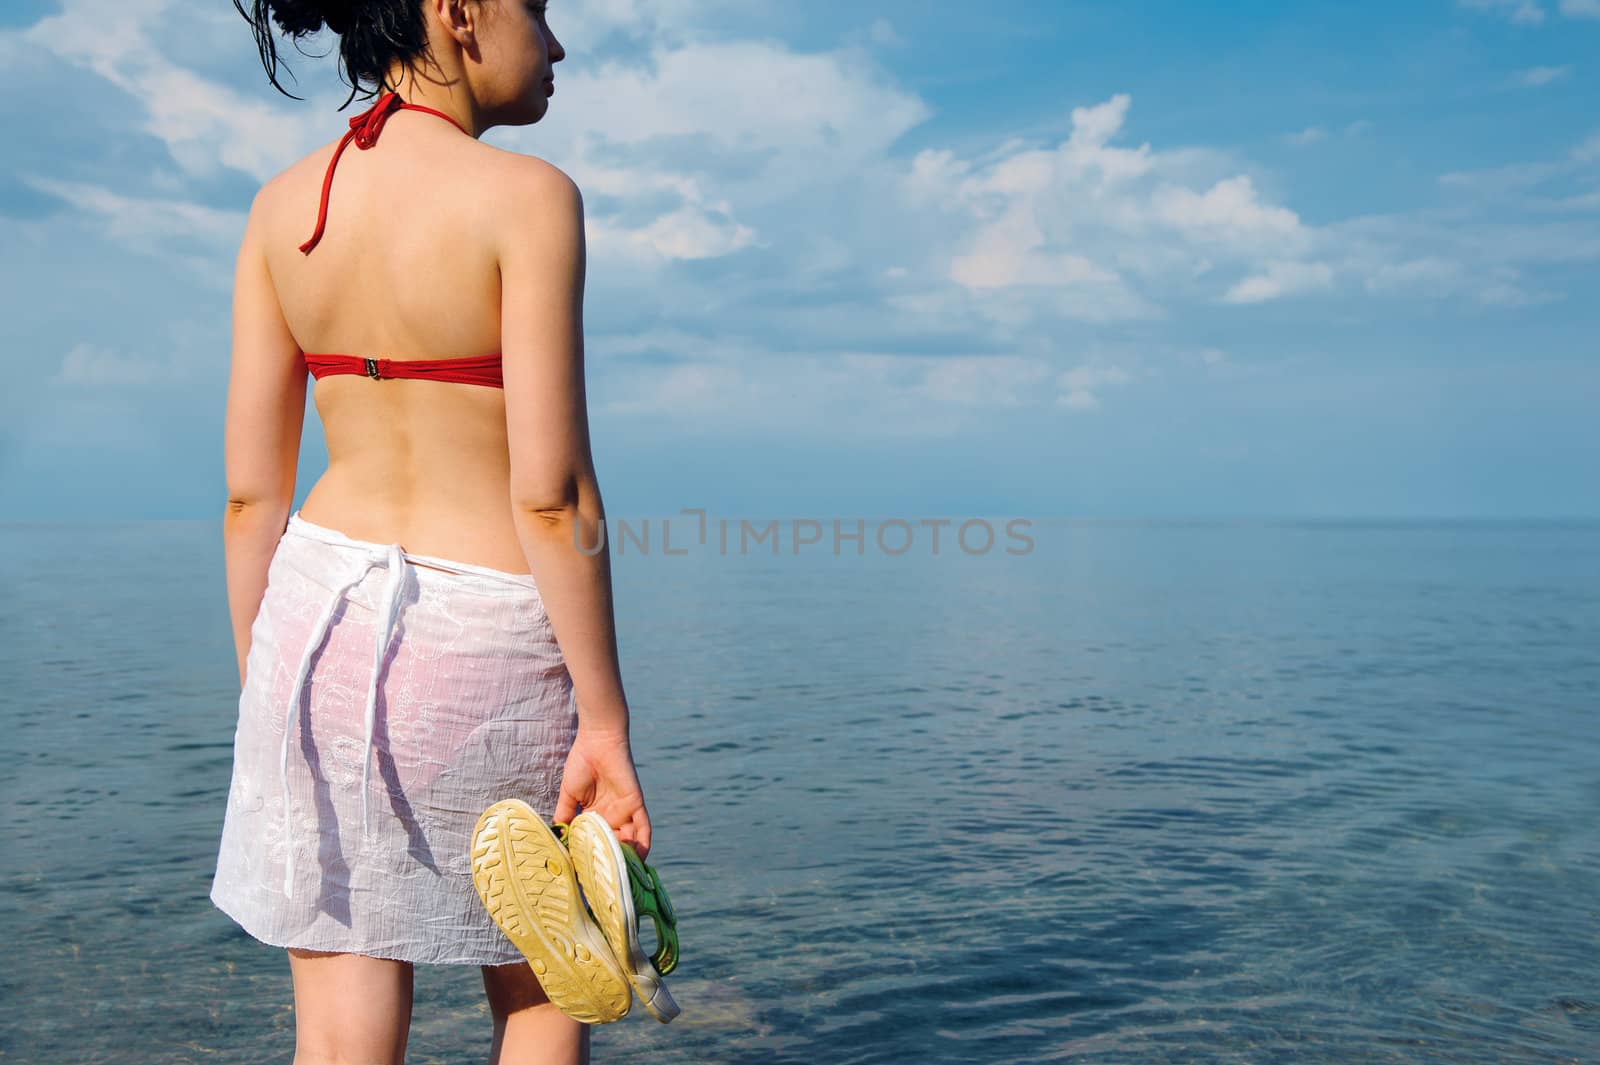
(1137, 791)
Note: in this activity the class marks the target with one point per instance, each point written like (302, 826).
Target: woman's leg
(528, 1028)
(350, 1008)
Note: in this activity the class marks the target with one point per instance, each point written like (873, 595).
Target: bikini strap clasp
(367, 125)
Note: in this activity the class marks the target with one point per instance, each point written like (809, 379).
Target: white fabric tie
(388, 611)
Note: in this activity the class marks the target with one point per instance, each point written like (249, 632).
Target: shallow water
(1153, 792)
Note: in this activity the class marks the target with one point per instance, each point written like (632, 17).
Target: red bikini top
(473, 370)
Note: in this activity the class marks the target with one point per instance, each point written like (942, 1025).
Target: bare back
(405, 268)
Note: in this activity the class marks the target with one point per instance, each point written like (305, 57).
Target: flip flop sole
(526, 880)
(603, 872)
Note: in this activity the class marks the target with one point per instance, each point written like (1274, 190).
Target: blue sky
(1155, 260)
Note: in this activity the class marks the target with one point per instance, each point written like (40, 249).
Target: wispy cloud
(1524, 11)
(1538, 77)
(206, 125)
(1281, 278)
(1531, 12)
(144, 222)
(1081, 386)
(1318, 134)
(91, 367)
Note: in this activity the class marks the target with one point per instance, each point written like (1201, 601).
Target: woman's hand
(600, 776)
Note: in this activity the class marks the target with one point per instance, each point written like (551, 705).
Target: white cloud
(1531, 12)
(1538, 77)
(1111, 231)
(1093, 126)
(1426, 272)
(1583, 201)
(826, 106)
(1309, 135)
(1280, 279)
(686, 233)
(983, 380)
(659, 21)
(143, 222)
(90, 366)
(1507, 294)
(1523, 11)
(847, 392)
(1079, 385)
(1230, 210)
(1522, 177)
(1008, 252)
(205, 125)
(1472, 252)
(1317, 134)
(883, 33)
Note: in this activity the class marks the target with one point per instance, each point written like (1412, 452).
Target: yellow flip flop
(621, 889)
(527, 882)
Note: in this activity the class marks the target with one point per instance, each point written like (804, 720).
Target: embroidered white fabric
(385, 707)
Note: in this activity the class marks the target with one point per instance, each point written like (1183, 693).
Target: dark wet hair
(372, 34)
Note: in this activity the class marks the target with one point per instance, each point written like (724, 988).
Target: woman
(432, 631)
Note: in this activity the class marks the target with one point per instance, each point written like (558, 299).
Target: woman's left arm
(265, 414)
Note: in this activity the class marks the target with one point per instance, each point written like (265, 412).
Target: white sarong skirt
(385, 707)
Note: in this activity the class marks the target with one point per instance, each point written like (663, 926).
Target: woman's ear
(459, 17)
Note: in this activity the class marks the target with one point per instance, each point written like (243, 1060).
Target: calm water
(1151, 793)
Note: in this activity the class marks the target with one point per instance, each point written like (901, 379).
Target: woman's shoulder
(533, 180)
(532, 197)
(526, 185)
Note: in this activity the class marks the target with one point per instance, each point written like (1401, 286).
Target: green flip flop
(650, 900)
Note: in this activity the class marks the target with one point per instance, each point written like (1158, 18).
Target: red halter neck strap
(364, 130)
